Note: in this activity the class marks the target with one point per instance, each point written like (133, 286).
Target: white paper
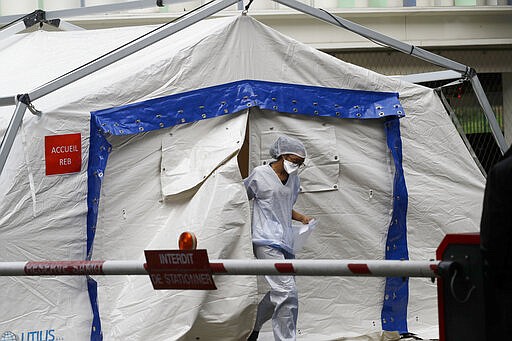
(301, 233)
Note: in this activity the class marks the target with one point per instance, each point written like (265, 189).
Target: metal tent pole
(12, 29)
(10, 134)
(65, 26)
(116, 7)
(49, 16)
(75, 12)
(491, 118)
(429, 76)
(459, 128)
(6, 101)
(376, 36)
(129, 49)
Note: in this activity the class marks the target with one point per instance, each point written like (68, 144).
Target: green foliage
(473, 119)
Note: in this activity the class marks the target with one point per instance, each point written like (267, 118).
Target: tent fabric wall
(42, 217)
(444, 185)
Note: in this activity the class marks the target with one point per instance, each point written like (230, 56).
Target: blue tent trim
(233, 97)
(229, 98)
(99, 149)
(92, 287)
(396, 292)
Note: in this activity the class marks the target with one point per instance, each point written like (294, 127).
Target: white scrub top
(273, 204)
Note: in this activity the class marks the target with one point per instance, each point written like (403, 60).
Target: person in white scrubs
(274, 189)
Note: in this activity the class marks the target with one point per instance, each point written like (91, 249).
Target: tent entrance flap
(235, 97)
(189, 159)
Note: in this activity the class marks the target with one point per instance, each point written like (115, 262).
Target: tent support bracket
(34, 18)
(25, 99)
(21, 22)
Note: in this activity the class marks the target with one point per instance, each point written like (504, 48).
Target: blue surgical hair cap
(287, 145)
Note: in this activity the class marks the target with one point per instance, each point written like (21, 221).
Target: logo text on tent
(63, 153)
(35, 335)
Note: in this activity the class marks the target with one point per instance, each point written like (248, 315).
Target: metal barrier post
(461, 294)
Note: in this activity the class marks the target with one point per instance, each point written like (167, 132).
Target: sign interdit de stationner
(179, 269)
(63, 153)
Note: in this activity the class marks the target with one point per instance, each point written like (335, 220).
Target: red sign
(179, 269)
(63, 153)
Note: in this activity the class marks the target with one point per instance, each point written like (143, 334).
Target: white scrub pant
(281, 303)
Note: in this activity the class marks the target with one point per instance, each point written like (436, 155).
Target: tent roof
(195, 55)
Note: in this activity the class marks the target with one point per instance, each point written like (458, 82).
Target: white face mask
(290, 167)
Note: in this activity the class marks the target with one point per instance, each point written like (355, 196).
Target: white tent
(387, 177)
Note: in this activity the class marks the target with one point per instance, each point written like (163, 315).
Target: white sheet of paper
(301, 233)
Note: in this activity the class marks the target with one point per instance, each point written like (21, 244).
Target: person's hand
(305, 219)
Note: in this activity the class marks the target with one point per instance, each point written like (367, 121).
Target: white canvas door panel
(190, 153)
(321, 168)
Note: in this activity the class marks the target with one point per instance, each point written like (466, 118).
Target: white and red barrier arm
(299, 267)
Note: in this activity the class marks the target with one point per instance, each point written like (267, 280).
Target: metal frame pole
(429, 76)
(459, 128)
(6, 101)
(12, 29)
(376, 36)
(299, 267)
(489, 113)
(88, 10)
(10, 134)
(65, 26)
(129, 49)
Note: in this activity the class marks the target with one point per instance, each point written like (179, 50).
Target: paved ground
(384, 336)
